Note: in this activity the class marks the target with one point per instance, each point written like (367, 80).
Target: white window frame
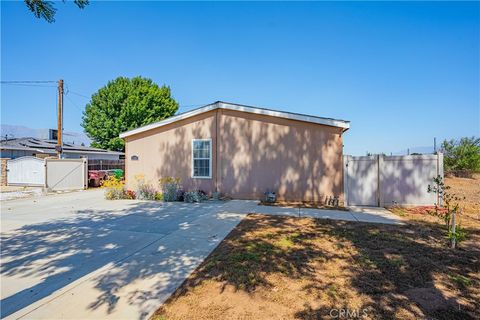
(209, 163)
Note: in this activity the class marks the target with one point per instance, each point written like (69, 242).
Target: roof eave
(345, 125)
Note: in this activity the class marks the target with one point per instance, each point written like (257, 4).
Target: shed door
(28, 171)
(362, 181)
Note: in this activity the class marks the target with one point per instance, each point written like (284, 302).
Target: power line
(30, 81)
(28, 85)
(73, 103)
(78, 94)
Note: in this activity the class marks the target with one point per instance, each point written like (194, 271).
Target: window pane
(201, 149)
(197, 144)
(196, 153)
(201, 158)
(203, 153)
(201, 167)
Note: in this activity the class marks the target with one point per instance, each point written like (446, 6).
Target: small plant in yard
(195, 196)
(170, 188)
(159, 196)
(145, 190)
(451, 207)
(130, 194)
(115, 188)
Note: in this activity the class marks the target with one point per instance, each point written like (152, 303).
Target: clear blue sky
(402, 73)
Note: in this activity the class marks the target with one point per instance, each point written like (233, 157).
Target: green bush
(462, 156)
(170, 188)
(159, 196)
(195, 196)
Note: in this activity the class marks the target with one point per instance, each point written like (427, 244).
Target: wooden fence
(97, 164)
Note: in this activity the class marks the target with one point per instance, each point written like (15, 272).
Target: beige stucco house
(241, 152)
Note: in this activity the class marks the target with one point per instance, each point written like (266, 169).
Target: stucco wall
(167, 151)
(298, 160)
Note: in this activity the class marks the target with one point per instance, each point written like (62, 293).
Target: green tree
(44, 9)
(462, 155)
(124, 104)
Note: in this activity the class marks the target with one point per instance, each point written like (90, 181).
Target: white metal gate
(27, 171)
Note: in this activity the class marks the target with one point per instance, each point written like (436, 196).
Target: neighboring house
(241, 152)
(21, 147)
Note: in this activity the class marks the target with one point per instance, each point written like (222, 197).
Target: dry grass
(302, 204)
(273, 267)
(469, 217)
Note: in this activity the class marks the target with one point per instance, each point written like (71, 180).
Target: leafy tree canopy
(124, 104)
(462, 155)
(44, 9)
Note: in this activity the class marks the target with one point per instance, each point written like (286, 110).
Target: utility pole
(435, 145)
(60, 119)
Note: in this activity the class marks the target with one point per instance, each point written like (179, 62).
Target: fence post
(4, 165)
(379, 180)
(441, 174)
(345, 180)
(85, 174)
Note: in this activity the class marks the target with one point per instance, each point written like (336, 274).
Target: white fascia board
(345, 125)
(169, 120)
(287, 115)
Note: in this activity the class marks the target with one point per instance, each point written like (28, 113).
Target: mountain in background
(14, 131)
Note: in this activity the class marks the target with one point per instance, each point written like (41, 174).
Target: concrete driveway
(79, 256)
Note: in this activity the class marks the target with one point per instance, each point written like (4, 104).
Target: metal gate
(361, 175)
(26, 171)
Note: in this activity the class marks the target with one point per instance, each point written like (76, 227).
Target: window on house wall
(202, 158)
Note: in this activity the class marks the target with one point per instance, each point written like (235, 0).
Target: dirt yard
(468, 219)
(284, 268)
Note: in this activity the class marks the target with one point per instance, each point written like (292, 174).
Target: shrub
(195, 196)
(146, 191)
(180, 195)
(115, 188)
(130, 194)
(462, 156)
(170, 188)
(159, 196)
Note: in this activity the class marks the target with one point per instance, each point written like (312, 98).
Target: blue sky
(402, 73)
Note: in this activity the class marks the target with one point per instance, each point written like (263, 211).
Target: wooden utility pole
(60, 119)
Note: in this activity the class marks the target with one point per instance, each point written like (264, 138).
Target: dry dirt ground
(273, 267)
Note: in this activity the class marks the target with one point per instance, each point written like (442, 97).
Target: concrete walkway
(359, 214)
(78, 256)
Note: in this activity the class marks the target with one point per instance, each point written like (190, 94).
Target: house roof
(48, 146)
(345, 125)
